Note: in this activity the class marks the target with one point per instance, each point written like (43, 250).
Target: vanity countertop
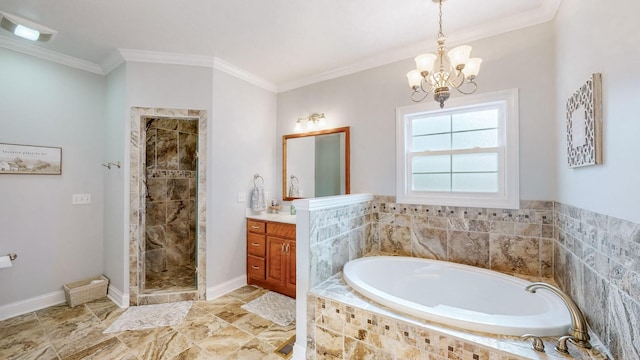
(280, 217)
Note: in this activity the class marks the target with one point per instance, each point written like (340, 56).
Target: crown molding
(546, 12)
(233, 70)
(42, 53)
(159, 57)
(111, 62)
(543, 14)
(180, 59)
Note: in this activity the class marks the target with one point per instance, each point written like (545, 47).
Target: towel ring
(255, 178)
(293, 177)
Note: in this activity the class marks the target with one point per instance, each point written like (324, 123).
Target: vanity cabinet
(271, 256)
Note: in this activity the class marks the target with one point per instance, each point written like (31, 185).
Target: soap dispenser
(292, 210)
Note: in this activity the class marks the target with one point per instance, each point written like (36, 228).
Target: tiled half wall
(597, 261)
(594, 258)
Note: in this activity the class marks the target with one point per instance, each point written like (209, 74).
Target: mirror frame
(347, 151)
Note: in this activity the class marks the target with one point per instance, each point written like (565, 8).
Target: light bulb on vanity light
(314, 122)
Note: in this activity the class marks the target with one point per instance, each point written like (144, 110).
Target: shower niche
(168, 192)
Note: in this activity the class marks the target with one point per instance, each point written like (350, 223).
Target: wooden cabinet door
(291, 266)
(276, 261)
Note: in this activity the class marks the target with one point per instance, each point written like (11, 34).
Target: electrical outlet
(80, 199)
(242, 197)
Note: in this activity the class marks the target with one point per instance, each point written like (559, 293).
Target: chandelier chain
(440, 33)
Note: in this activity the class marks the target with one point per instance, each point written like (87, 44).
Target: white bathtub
(458, 295)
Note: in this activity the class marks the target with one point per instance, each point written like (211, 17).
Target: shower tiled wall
(170, 229)
(137, 201)
(597, 261)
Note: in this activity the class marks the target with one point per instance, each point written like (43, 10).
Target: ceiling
(286, 43)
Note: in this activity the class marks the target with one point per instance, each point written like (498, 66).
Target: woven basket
(83, 291)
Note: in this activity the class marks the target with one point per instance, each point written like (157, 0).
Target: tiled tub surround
(137, 215)
(170, 223)
(597, 261)
(338, 235)
(346, 325)
(505, 240)
(519, 242)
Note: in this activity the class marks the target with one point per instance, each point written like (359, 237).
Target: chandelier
(454, 70)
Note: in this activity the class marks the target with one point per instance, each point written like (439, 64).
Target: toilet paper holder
(12, 256)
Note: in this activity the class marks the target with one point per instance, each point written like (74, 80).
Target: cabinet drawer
(255, 244)
(255, 268)
(256, 226)
(287, 231)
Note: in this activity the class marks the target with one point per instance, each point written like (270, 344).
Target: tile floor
(218, 329)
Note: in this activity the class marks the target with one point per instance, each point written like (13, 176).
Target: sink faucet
(578, 333)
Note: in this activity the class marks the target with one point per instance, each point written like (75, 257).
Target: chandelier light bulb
(459, 56)
(414, 79)
(424, 63)
(472, 68)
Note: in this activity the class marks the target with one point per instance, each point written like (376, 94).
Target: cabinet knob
(287, 251)
(255, 267)
(255, 226)
(255, 244)
(282, 250)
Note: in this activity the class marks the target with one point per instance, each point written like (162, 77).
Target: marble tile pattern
(164, 223)
(506, 240)
(170, 232)
(593, 257)
(217, 329)
(337, 235)
(597, 261)
(345, 325)
(175, 279)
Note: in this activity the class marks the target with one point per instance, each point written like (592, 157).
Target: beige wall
(367, 100)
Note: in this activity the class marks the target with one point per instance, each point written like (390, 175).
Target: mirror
(315, 164)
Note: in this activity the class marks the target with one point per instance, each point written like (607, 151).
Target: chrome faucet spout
(578, 331)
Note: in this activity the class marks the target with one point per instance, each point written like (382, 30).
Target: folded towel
(294, 191)
(257, 199)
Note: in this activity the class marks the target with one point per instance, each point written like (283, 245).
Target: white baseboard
(299, 352)
(226, 287)
(120, 299)
(32, 304)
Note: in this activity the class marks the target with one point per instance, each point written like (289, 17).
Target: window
(463, 155)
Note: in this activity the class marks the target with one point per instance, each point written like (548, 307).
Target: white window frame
(508, 195)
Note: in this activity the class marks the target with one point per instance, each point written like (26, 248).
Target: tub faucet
(578, 333)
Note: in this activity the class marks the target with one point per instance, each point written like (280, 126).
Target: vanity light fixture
(314, 122)
(442, 71)
(26, 29)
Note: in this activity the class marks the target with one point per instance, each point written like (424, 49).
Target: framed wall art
(30, 160)
(584, 124)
